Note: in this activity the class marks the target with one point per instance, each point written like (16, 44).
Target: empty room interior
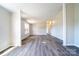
(39, 29)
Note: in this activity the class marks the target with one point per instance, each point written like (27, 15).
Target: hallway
(39, 29)
(40, 45)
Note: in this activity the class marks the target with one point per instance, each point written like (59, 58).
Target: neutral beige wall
(5, 28)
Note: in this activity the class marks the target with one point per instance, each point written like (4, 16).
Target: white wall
(24, 32)
(76, 22)
(72, 24)
(16, 28)
(5, 28)
(69, 24)
(57, 27)
(38, 29)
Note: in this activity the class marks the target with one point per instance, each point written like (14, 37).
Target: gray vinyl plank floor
(40, 45)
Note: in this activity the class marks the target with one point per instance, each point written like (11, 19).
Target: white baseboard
(76, 45)
(39, 34)
(8, 51)
(25, 36)
(4, 47)
(69, 44)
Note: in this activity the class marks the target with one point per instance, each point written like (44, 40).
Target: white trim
(69, 44)
(8, 51)
(64, 24)
(72, 45)
(76, 45)
(27, 35)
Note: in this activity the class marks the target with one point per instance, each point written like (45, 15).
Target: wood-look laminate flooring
(40, 45)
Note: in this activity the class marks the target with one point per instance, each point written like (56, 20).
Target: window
(26, 25)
